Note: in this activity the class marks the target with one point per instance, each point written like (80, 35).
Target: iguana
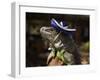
(62, 46)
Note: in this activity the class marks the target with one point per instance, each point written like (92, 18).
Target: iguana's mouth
(46, 30)
(49, 33)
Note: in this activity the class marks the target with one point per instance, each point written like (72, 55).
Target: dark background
(37, 48)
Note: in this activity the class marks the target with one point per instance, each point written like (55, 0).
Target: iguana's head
(48, 33)
(51, 35)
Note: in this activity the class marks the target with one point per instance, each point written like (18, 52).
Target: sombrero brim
(59, 27)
